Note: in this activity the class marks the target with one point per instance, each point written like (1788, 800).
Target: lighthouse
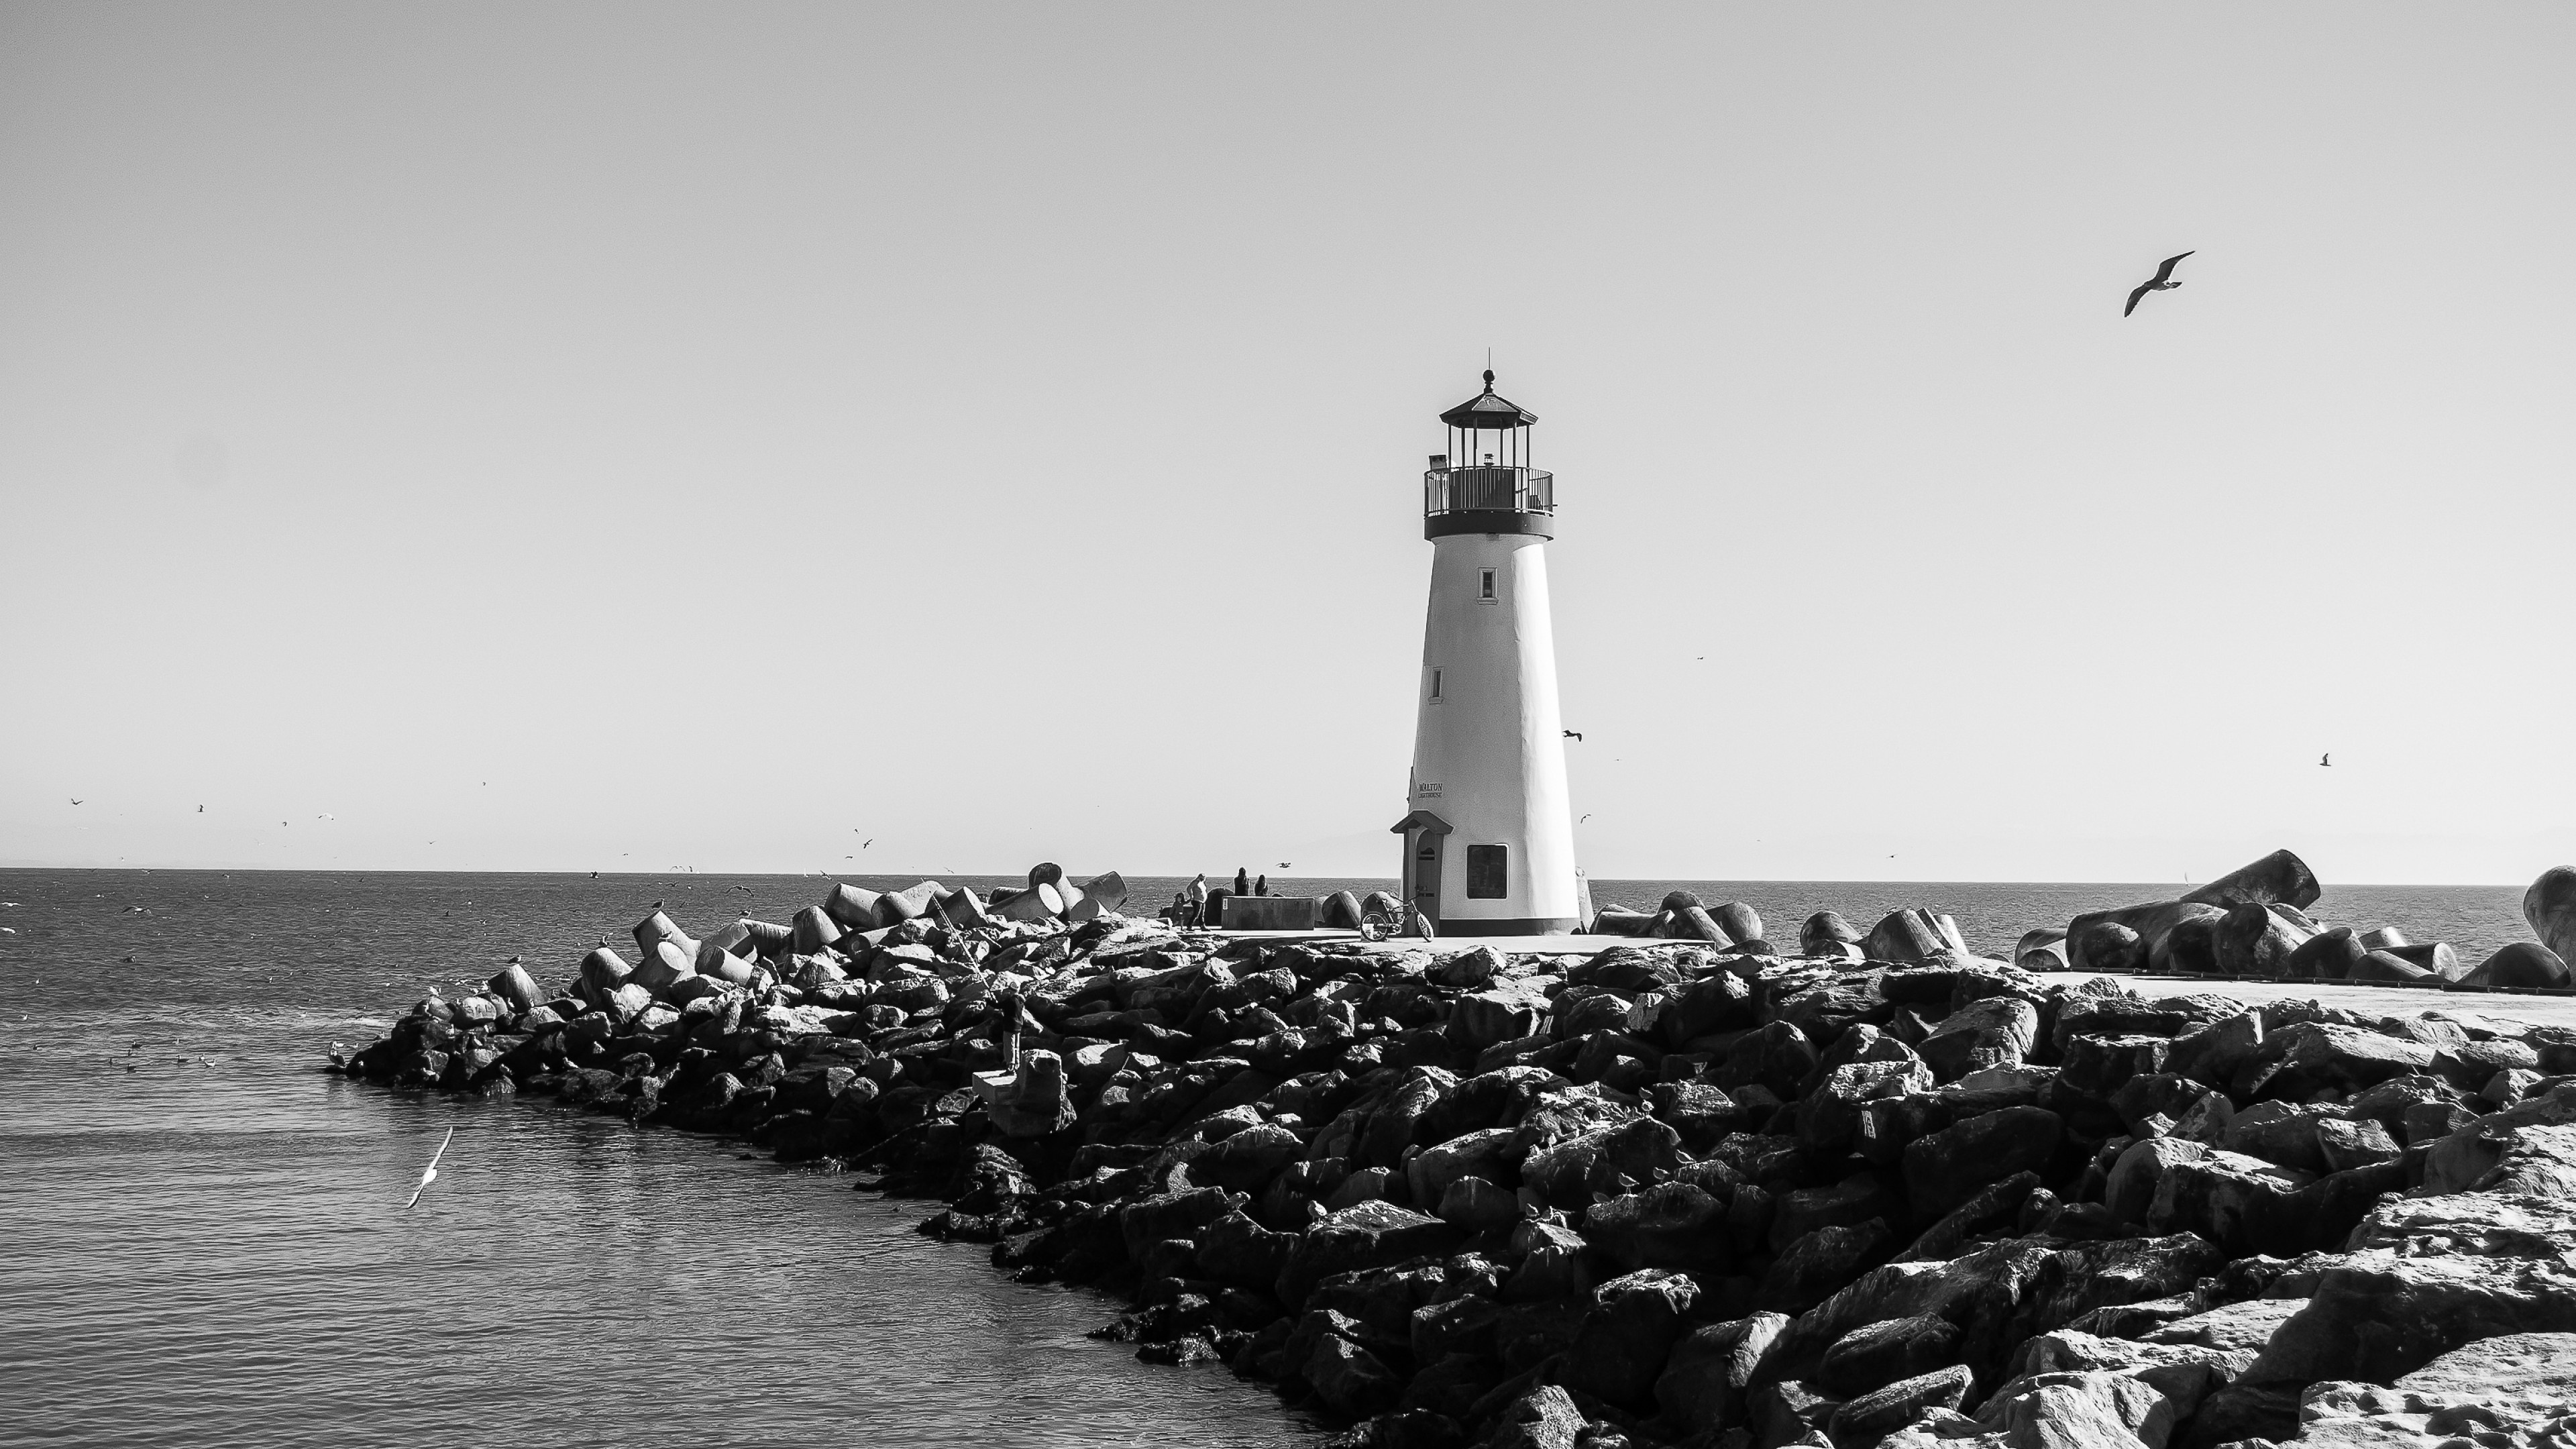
(1488, 833)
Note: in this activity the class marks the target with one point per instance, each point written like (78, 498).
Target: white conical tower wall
(1489, 747)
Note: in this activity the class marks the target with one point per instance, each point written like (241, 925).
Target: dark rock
(1706, 1377)
(1627, 1337)
(1995, 1206)
(1878, 1354)
(1623, 1158)
(1671, 1225)
(1819, 1263)
(1777, 1057)
(1945, 1169)
(1544, 1418)
(1370, 1235)
(2106, 946)
(1874, 1415)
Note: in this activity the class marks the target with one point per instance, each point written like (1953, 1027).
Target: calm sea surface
(206, 1241)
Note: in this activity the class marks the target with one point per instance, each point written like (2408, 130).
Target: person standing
(1196, 894)
(1242, 882)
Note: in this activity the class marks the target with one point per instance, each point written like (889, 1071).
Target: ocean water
(207, 1243)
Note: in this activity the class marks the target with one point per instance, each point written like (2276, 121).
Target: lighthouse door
(1425, 872)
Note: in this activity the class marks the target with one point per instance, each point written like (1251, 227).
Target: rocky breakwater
(1676, 1192)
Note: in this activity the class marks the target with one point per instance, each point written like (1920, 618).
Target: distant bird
(1575, 735)
(2162, 281)
(76, 802)
(1587, 815)
(201, 809)
(1283, 865)
(513, 961)
(429, 1174)
(326, 817)
(657, 905)
(2326, 759)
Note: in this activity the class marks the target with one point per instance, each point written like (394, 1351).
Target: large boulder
(2520, 965)
(2377, 1315)
(2550, 907)
(1883, 1411)
(1620, 1159)
(1628, 1335)
(1705, 1379)
(1672, 1225)
(1947, 1168)
(1544, 1418)
(1997, 1031)
(1373, 1234)
(1878, 1354)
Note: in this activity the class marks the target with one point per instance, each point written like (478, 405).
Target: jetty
(2200, 1172)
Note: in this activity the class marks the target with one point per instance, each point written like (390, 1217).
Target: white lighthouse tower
(1489, 837)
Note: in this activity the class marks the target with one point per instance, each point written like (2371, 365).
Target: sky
(937, 438)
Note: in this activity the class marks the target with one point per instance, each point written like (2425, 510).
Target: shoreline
(1667, 1189)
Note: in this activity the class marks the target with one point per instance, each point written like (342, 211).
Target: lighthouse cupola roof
(1484, 482)
(1485, 410)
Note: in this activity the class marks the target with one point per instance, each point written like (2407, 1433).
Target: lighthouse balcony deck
(1486, 489)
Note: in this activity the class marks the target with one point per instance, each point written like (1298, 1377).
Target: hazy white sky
(614, 436)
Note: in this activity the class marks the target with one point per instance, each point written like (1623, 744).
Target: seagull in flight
(1574, 735)
(429, 1174)
(75, 800)
(1586, 816)
(2162, 281)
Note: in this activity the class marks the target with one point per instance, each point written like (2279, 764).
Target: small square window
(1488, 872)
(1485, 587)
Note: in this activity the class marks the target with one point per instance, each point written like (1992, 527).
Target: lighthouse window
(1487, 866)
(1435, 686)
(1485, 586)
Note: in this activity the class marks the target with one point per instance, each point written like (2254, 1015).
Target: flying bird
(2326, 760)
(76, 801)
(2162, 281)
(1586, 816)
(201, 809)
(429, 1174)
(1575, 735)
